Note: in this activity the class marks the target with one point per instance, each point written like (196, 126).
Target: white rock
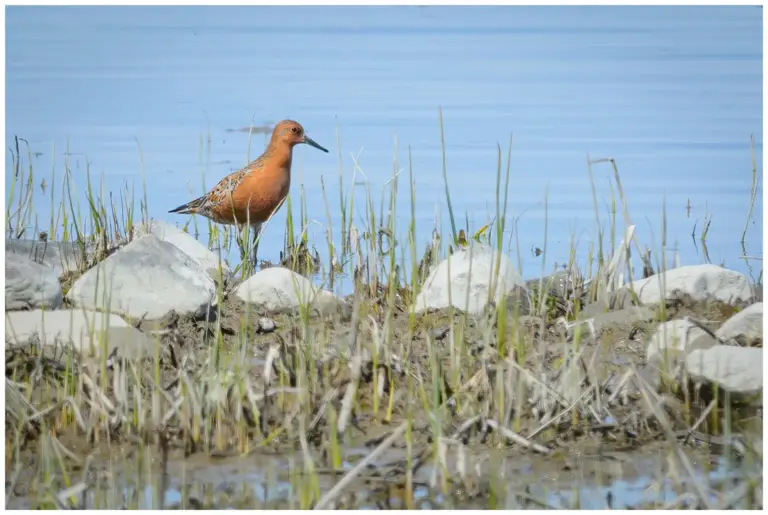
(701, 282)
(278, 289)
(266, 325)
(738, 370)
(747, 323)
(146, 277)
(84, 330)
(30, 285)
(674, 340)
(62, 257)
(207, 259)
(434, 295)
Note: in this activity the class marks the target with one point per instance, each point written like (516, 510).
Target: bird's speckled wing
(226, 186)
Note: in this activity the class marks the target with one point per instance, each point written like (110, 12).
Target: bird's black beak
(313, 143)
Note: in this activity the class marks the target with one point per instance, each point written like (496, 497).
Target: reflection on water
(672, 93)
(647, 477)
(639, 482)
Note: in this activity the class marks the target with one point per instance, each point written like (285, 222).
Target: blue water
(672, 93)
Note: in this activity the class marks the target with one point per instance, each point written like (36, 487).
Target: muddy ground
(222, 452)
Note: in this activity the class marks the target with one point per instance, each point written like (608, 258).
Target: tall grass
(229, 391)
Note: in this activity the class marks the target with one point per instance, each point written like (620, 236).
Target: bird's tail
(190, 207)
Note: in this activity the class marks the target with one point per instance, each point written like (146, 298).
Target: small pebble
(266, 325)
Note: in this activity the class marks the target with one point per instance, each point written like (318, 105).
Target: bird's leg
(256, 229)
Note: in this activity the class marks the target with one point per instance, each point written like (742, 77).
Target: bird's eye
(295, 129)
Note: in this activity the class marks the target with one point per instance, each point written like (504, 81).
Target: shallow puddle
(637, 480)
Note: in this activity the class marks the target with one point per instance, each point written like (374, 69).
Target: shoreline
(138, 351)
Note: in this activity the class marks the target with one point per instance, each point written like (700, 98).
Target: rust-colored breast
(255, 197)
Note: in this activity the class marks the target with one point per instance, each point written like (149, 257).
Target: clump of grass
(427, 389)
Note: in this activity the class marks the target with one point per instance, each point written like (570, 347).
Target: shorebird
(251, 195)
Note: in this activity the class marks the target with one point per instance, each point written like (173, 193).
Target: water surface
(672, 93)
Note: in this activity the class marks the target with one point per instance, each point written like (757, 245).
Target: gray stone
(738, 370)
(61, 256)
(700, 282)
(30, 285)
(277, 289)
(266, 325)
(482, 259)
(205, 258)
(147, 277)
(674, 340)
(746, 325)
(82, 330)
